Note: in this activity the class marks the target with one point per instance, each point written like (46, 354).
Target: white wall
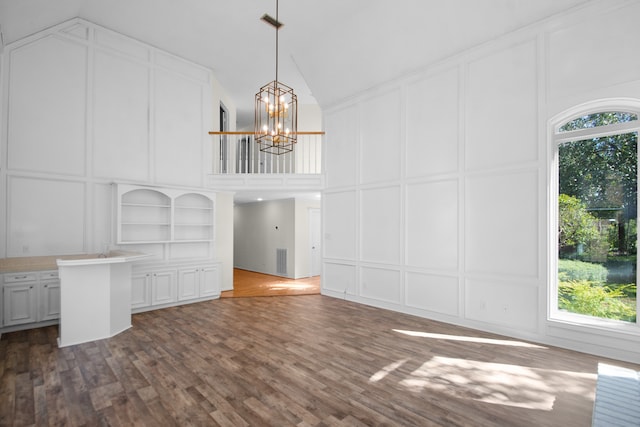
(309, 118)
(436, 201)
(224, 237)
(84, 107)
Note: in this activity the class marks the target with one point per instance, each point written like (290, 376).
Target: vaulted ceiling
(329, 49)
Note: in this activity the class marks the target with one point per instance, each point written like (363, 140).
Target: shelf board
(161, 224)
(154, 242)
(144, 205)
(143, 242)
(194, 208)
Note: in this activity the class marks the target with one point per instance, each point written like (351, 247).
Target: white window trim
(556, 317)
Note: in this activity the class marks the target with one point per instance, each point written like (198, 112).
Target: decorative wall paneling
(343, 150)
(340, 239)
(82, 107)
(45, 216)
(121, 97)
(339, 278)
(47, 106)
(380, 225)
(379, 129)
(432, 128)
(436, 192)
(501, 108)
(501, 232)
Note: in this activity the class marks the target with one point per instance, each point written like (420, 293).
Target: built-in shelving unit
(176, 226)
(160, 215)
(193, 218)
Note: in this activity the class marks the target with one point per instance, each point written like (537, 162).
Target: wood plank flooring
(292, 361)
(251, 284)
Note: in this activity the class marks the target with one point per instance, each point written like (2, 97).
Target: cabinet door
(209, 282)
(50, 300)
(163, 287)
(140, 290)
(20, 302)
(188, 283)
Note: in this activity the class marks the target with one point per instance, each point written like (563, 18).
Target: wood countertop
(36, 263)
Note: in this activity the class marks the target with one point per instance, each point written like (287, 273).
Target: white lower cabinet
(158, 286)
(140, 290)
(30, 297)
(20, 303)
(50, 300)
(198, 282)
(210, 281)
(163, 287)
(188, 283)
(34, 297)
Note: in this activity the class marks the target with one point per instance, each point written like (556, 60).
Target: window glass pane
(598, 119)
(598, 225)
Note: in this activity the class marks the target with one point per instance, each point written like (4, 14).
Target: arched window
(596, 212)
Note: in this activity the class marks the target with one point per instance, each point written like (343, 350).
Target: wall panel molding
(78, 110)
(489, 170)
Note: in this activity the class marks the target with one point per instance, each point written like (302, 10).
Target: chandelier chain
(277, 31)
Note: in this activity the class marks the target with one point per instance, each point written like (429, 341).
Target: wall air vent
(281, 262)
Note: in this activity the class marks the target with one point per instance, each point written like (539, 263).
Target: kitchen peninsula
(95, 296)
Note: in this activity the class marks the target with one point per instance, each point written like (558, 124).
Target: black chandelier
(276, 109)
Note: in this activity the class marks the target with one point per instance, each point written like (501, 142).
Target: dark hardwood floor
(291, 361)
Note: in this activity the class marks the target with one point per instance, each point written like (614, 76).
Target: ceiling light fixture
(276, 109)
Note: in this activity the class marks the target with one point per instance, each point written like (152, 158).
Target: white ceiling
(329, 49)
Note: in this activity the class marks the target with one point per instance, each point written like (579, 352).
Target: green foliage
(586, 297)
(570, 270)
(629, 290)
(598, 219)
(575, 225)
(632, 237)
(598, 119)
(602, 171)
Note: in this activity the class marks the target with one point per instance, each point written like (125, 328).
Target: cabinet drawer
(46, 275)
(20, 277)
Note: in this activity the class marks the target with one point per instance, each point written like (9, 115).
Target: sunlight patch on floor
(296, 286)
(468, 339)
(496, 383)
(382, 373)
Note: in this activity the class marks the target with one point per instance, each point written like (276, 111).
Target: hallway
(251, 284)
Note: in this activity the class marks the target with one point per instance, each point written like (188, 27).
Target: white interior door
(315, 241)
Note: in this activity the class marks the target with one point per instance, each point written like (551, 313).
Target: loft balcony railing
(238, 153)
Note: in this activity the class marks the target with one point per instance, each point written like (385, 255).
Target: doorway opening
(251, 284)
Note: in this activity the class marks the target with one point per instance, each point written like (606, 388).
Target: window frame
(554, 315)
